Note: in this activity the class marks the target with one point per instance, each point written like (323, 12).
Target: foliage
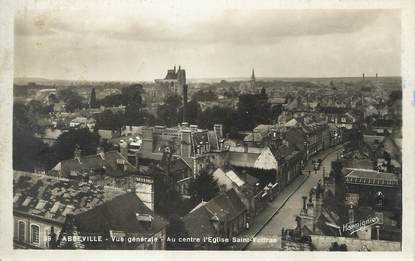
(202, 95)
(168, 113)
(108, 120)
(253, 110)
(65, 145)
(27, 148)
(204, 187)
(113, 100)
(72, 99)
(225, 116)
(193, 112)
(130, 95)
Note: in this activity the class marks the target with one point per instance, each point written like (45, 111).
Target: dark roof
(120, 214)
(106, 166)
(296, 137)
(225, 206)
(52, 198)
(333, 212)
(198, 223)
(178, 165)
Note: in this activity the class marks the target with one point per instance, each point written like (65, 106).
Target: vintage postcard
(274, 129)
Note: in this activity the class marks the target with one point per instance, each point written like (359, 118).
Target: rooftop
(108, 165)
(121, 214)
(52, 198)
(371, 177)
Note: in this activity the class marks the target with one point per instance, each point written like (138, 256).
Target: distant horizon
(189, 79)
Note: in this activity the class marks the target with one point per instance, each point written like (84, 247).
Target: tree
(27, 149)
(228, 117)
(66, 142)
(113, 100)
(168, 112)
(336, 173)
(193, 111)
(204, 187)
(72, 99)
(167, 201)
(253, 110)
(108, 120)
(132, 95)
(202, 95)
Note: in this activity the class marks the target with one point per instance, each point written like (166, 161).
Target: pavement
(280, 213)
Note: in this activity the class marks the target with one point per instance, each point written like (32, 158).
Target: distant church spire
(253, 82)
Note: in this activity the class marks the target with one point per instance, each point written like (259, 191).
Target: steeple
(253, 75)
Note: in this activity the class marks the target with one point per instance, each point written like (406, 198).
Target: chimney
(174, 69)
(245, 147)
(363, 76)
(77, 153)
(123, 148)
(218, 129)
(376, 76)
(184, 102)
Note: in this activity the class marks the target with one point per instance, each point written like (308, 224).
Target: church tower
(253, 82)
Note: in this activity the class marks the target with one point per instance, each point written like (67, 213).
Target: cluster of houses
(110, 194)
(359, 206)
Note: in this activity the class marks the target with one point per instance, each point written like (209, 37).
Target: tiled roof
(371, 177)
(198, 223)
(120, 214)
(52, 198)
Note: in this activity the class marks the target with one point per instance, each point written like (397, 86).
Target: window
(21, 231)
(34, 232)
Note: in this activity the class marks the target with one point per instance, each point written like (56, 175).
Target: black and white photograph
(171, 127)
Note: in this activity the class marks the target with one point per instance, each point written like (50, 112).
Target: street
(268, 238)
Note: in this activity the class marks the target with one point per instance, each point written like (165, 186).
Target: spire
(253, 75)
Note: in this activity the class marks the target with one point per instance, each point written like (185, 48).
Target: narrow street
(268, 236)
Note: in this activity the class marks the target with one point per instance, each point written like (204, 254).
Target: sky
(139, 43)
